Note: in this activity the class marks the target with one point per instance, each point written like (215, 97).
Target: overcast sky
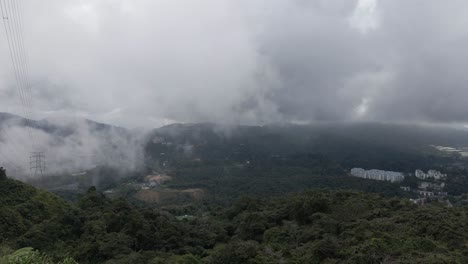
(146, 63)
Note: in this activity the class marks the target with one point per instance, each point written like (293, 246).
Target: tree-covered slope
(307, 227)
(344, 227)
(22, 207)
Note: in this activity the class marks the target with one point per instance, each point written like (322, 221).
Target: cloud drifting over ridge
(148, 63)
(69, 146)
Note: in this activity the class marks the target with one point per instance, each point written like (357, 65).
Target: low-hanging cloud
(69, 146)
(149, 63)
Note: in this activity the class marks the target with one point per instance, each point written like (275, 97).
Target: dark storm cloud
(409, 65)
(148, 63)
(428, 41)
(315, 52)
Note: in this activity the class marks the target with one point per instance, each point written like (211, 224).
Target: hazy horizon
(70, 120)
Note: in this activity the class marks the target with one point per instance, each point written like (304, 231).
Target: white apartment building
(437, 175)
(380, 175)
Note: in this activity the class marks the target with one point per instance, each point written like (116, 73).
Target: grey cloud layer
(146, 63)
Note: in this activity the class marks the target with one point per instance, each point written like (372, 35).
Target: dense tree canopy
(307, 227)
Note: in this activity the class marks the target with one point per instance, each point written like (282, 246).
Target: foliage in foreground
(30, 256)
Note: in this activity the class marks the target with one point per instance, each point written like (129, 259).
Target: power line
(12, 22)
(18, 55)
(26, 62)
(14, 54)
(11, 46)
(14, 14)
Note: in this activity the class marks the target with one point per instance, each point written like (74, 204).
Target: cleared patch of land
(160, 179)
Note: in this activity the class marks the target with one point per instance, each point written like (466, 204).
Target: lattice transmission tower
(37, 163)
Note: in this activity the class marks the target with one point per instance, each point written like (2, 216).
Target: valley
(210, 194)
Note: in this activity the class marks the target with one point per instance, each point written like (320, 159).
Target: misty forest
(232, 132)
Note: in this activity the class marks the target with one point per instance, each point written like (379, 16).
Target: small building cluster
(436, 175)
(431, 189)
(430, 185)
(380, 175)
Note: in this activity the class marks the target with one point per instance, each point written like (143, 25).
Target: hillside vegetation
(307, 227)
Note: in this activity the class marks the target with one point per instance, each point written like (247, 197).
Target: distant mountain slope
(379, 133)
(77, 144)
(62, 126)
(386, 146)
(6, 116)
(71, 145)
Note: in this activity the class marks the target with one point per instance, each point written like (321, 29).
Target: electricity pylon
(37, 164)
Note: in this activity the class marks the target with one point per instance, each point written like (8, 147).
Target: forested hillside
(368, 145)
(307, 227)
